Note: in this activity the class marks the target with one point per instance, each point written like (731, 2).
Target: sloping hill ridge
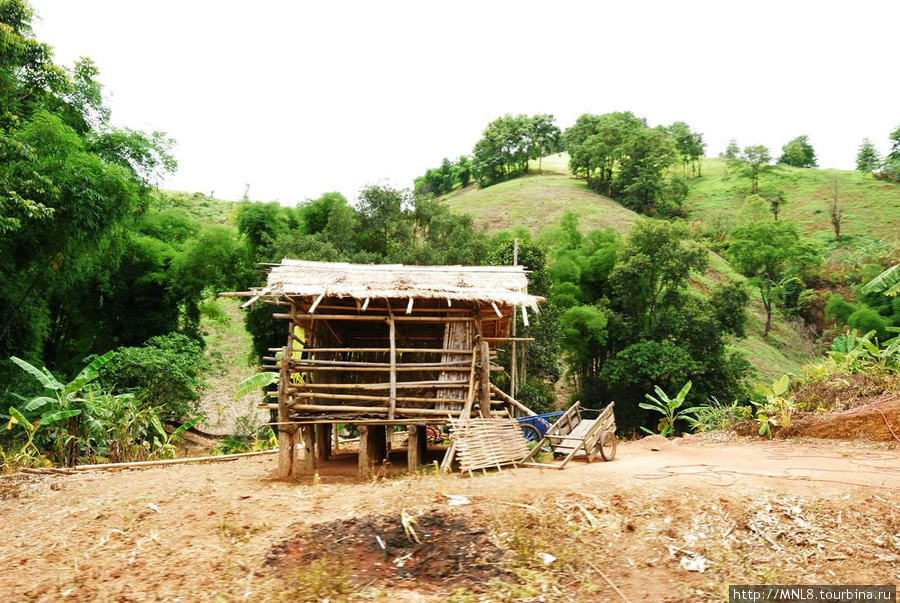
(539, 200)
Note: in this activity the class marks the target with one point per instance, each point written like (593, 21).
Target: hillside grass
(871, 208)
(207, 210)
(536, 200)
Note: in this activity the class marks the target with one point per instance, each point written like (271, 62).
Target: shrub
(838, 309)
(165, 373)
(866, 319)
(537, 395)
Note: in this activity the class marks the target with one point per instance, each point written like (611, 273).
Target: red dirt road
(821, 512)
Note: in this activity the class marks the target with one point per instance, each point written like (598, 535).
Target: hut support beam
(393, 343)
(323, 441)
(372, 449)
(417, 446)
(288, 435)
(309, 448)
(485, 403)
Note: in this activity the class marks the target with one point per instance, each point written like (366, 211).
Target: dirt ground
(667, 520)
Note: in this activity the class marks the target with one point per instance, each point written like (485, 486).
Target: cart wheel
(531, 433)
(608, 445)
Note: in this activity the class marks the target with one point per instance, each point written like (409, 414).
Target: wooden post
(371, 448)
(309, 448)
(365, 466)
(485, 402)
(323, 441)
(513, 367)
(418, 442)
(393, 343)
(287, 434)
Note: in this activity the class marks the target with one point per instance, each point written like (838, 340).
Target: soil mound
(878, 420)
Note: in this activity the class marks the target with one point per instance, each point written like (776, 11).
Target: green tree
(767, 252)
(690, 147)
(546, 137)
(798, 153)
(503, 150)
(70, 187)
(777, 201)
(381, 208)
(730, 299)
(894, 155)
(867, 158)
(596, 143)
(584, 333)
(641, 177)
(731, 155)
(754, 162)
(317, 212)
(654, 265)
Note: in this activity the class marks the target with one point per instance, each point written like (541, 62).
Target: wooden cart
(573, 436)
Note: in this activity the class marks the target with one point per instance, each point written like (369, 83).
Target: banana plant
(669, 408)
(59, 402)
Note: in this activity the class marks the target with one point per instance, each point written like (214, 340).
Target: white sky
(299, 98)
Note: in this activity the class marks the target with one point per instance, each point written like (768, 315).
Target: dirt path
(744, 511)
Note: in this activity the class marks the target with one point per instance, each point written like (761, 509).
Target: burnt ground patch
(451, 553)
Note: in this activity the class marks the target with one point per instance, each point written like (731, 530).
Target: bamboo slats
(487, 442)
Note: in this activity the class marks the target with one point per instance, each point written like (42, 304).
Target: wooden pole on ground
(309, 448)
(287, 434)
(513, 367)
(393, 343)
(485, 403)
(416, 447)
(371, 448)
(323, 441)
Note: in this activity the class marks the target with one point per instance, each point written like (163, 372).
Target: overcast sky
(299, 98)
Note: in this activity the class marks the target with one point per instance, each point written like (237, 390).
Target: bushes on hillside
(165, 373)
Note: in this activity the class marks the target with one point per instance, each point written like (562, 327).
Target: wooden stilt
(485, 402)
(365, 465)
(288, 435)
(309, 448)
(323, 441)
(371, 448)
(417, 446)
(393, 343)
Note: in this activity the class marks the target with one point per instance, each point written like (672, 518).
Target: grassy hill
(871, 207)
(198, 206)
(539, 200)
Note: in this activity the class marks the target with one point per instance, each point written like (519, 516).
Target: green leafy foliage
(622, 157)
(867, 158)
(798, 153)
(777, 408)
(508, 143)
(80, 422)
(165, 373)
(71, 188)
(766, 253)
(669, 408)
(752, 163)
(718, 416)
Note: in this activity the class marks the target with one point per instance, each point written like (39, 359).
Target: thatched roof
(502, 285)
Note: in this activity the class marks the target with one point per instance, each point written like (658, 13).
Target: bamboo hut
(385, 345)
